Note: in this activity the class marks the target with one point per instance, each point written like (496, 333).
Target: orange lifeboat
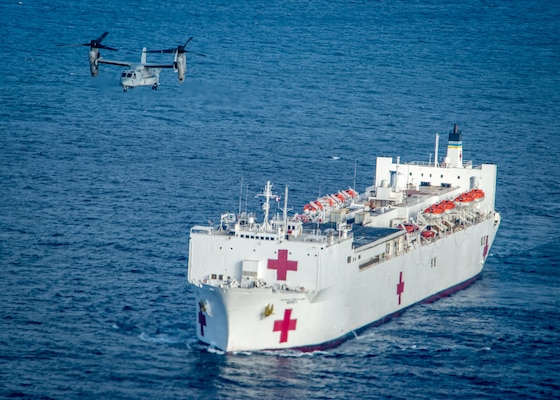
(308, 207)
(465, 199)
(447, 205)
(331, 201)
(335, 199)
(328, 200)
(436, 210)
(410, 228)
(427, 234)
(478, 194)
(312, 207)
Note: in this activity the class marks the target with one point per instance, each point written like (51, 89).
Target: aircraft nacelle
(180, 66)
(93, 61)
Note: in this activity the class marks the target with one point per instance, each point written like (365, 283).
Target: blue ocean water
(98, 188)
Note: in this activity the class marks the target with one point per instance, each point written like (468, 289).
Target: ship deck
(362, 235)
(417, 196)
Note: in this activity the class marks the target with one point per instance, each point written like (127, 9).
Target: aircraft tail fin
(143, 61)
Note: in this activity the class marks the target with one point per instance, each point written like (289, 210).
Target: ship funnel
(455, 147)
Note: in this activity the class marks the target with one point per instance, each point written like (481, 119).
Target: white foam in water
(160, 338)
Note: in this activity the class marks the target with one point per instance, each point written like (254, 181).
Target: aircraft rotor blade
(100, 38)
(93, 43)
(179, 49)
(187, 42)
(70, 45)
(96, 43)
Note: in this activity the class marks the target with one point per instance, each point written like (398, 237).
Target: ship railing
(315, 238)
(466, 164)
(317, 232)
(205, 230)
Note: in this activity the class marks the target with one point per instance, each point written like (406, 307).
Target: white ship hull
(235, 318)
(278, 286)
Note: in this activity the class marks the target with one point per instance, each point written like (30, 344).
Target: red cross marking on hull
(400, 287)
(282, 265)
(285, 325)
(201, 320)
(485, 251)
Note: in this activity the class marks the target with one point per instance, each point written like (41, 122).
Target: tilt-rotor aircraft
(142, 73)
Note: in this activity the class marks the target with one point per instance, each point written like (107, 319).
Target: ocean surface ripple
(99, 188)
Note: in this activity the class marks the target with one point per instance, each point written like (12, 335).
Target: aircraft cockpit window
(123, 75)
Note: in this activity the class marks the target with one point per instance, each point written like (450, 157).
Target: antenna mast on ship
(286, 208)
(436, 150)
(240, 195)
(267, 194)
(355, 166)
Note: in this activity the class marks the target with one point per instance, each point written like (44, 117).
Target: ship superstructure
(310, 280)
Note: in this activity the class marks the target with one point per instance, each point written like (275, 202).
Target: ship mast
(267, 194)
(286, 208)
(436, 150)
(240, 195)
(355, 166)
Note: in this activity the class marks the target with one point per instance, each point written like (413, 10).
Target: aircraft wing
(150, 65)
(134, 64)
(120, 63)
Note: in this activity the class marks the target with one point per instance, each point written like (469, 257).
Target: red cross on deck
(282, 265)
(285, 325)
(400, 287)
